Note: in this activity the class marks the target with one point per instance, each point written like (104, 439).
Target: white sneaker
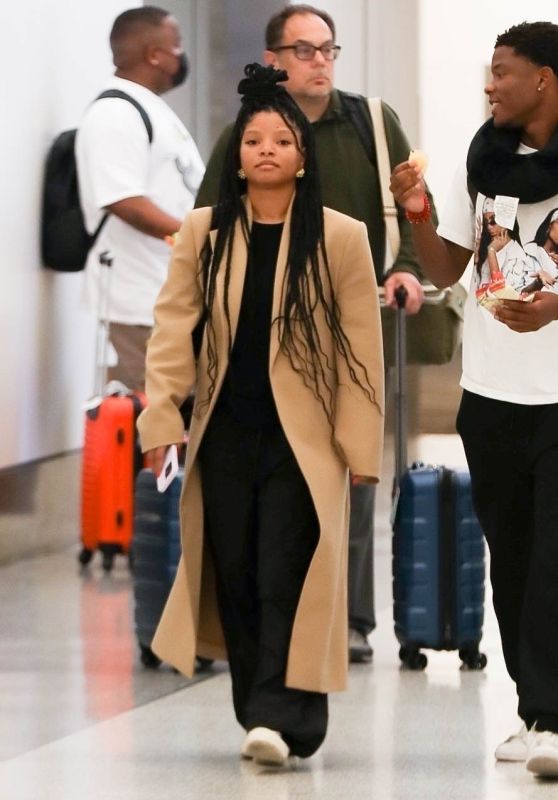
(265, 747)
(514, 748)
(542, 753)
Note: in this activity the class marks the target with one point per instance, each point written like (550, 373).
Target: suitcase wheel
(148, 657)
(472, 659)
(108, 553)
(85, 556)
(412, 658)
(108, 560)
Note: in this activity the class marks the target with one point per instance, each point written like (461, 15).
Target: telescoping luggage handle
(400, 432)
(433, 296)
(102, 335)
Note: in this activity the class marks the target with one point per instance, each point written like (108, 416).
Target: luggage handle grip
(401, 295)
(432, 295)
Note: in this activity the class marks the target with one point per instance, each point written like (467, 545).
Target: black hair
(131, 21)
(543, 230)
(536, 41)
(308, 286)
(485, 240)
(276, 25)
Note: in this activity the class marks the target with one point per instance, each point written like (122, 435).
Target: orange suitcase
(111, 460)
(111, 456)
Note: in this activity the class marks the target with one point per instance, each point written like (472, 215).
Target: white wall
(55, 59)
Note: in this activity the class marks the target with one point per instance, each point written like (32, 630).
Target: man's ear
(546, 75)
(150, 54)
(269, 57)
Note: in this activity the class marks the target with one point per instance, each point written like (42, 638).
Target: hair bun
(261, 83)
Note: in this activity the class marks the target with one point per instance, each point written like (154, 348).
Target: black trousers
(262, 529)
(512, 451)
(361, 559)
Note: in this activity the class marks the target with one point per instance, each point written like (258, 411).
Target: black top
(246, 391)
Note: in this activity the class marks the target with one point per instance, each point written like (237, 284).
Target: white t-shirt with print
(116, 161)
(498, 362)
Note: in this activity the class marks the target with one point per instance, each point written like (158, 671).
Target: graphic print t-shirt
(498, 362)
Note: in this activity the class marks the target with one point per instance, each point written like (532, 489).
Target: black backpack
(65, 242)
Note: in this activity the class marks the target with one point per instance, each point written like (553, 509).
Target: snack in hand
(490, 295)
(172, 239)
(418, 159)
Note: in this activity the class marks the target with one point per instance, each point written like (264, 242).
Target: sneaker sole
(266, 754)
(544, 764)
(515, 759)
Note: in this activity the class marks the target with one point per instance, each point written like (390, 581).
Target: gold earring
(241, 174)
(301, 173)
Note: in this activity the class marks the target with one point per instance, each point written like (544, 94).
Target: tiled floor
(80, 718)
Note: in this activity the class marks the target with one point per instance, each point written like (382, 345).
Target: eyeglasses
(306, 52)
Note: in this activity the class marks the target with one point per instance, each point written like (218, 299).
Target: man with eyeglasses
(139, 170)
(301, 40)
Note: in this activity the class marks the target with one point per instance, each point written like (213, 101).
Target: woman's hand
(500, 240)
(156, 458)
(408, 187)
(546, 278)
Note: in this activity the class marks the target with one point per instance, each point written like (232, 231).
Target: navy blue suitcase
(156, 552)
(438, 567)
(438, 549)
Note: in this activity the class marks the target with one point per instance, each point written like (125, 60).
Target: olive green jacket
(348, 176)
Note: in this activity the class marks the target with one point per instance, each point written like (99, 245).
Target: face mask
(182, 72)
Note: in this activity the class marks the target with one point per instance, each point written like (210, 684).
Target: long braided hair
(306, 285)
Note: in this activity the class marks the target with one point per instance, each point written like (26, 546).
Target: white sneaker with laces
(514, 748)
(265, 747)
(542, 753)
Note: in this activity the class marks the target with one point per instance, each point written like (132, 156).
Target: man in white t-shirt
(146, 188)
(508, 419)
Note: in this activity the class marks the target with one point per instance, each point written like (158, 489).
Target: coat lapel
(238, 274)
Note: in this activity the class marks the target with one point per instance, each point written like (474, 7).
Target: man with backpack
(138, 172)
(301, 40)
(508, 418)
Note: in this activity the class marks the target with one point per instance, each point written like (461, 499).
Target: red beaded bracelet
(416, 217)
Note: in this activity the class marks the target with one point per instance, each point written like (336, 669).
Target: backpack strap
(355, 107)
(384, 172)
(141, 110)
(148, 127)
(371, 131)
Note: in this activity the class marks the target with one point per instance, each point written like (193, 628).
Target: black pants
(512, 451)
(361, 559)
(263, 529)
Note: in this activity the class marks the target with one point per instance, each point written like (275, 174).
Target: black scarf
(494, 167)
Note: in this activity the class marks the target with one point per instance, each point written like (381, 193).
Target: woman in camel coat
(289, 399)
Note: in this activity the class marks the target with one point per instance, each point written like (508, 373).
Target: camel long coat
(190, 624)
